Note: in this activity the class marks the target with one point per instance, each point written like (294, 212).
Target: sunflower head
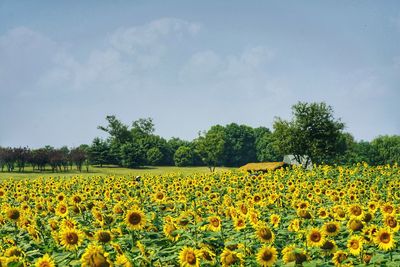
(135, 219)
(267, 256)
(189, 257)
(384, 239)
(45, 261)
(315, 237)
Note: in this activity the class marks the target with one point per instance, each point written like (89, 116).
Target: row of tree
(313, 133)
(62, 159)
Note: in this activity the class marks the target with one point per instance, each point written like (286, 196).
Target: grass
(106, 171)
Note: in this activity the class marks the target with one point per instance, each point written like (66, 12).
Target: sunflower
(315, 237)
(339, 257)
(355, 225)
(391, 223)
(169, 231)
(71, 239)
(275, 219)
(356, 211)
(331, 228)
(123, 260)
(62, 209)
(229, 257)
(103, 236)
(293, 254)
(294, 225)
(265, 234)
(355, 244)
(388, 208)
(267, 256)
(13, 214)
(95, 256)
(135, 219)
(322, 213)
(239, 223)
(189, 257)
(329, 247)
(384, 239)
(45, 261)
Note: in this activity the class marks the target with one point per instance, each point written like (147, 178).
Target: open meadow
(340, 216)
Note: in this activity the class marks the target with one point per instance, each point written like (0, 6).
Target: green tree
(265, 148)
(210, 147)
(154, 156)
(184, 156)
(312, 132)
(99, 152)
(239, 145)
(131, 155)
(386, 149)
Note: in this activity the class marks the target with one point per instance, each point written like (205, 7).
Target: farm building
(291, 160)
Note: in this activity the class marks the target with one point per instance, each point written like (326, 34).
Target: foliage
(184, 156)
(210, 146)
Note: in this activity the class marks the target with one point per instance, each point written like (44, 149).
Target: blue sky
(65, 65)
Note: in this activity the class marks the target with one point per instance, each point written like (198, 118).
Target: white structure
(305, 161)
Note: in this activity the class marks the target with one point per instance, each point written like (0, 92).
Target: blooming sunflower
(275, 220)
(267, 256)
(356, 211)
(103, 236)
(331, 228)
(384, 239)
(135, 219)
(189, 257)
(62, 209)
(214, 223)
(239, 223)
(293, 254)
(315, 237)
(71, 239)
(13, 214)
(355, 244)
(45, 261)
(95, 256)
(391, 223)
(265, 234)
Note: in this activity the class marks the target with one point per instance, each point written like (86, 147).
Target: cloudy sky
(65, 65)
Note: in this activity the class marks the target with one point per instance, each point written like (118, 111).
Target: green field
(107, 171)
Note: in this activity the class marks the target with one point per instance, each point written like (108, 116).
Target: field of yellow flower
(341, 216)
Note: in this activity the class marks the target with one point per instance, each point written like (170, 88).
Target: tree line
(313, 133)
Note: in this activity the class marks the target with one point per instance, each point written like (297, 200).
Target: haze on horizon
(65, 65)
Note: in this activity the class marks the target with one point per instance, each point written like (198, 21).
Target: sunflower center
(72, 238)
(356, 211)
(191, 258)
(104, 237)
(44, 264)
(215, 222)
(134, 218)
(391, 222)
(98, 260)
(354, 245)
(267, 255)
(331, 228)
(315, 237)
(328, 245)
(13, 214)
(385, 238)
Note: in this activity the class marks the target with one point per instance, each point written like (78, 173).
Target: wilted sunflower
(169, 231)
(71, 239)
(293, 254)
(45, 261)
(384, 239)
(189, 257)
(267, 256)
(339, 257)
(315, 237)
(135, 219)
(229, 258)
(95, 256)
(355, 244)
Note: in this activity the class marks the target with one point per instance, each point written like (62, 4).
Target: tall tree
(313, 132)
(210, 146)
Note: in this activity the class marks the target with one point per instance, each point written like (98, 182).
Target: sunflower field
(329, 216)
